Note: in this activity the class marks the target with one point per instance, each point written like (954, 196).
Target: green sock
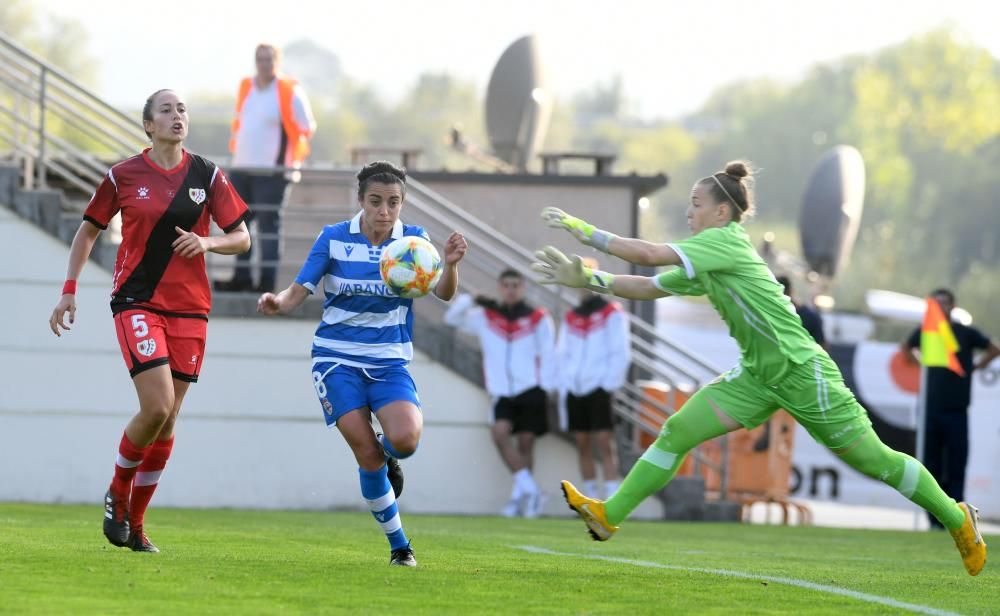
(928, 494)
(904, 473)
(692, 425)
(643, 479)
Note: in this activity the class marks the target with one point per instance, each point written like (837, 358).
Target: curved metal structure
(518, 103)
(831, 210)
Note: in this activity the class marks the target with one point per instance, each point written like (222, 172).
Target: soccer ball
(410, 266)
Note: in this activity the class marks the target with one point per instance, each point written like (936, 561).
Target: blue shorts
(343, 388)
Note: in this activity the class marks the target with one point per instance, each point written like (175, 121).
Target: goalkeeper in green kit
(780, 366)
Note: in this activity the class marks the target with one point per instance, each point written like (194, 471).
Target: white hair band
(733, 201)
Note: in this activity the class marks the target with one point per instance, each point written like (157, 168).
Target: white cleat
(533, 504)
(511, 509)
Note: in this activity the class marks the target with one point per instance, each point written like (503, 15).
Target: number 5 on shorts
(139, 325)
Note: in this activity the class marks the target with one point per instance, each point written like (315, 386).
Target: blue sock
(377, 492)
(392, 452)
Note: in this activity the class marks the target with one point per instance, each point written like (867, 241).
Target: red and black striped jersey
(153, 201)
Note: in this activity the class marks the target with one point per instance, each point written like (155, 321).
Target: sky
(671, 55)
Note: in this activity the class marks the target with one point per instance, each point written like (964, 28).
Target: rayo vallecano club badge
(197, 195)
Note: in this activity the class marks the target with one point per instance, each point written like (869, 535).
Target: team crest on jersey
(146, 348)
(197, 195)
(327, 406)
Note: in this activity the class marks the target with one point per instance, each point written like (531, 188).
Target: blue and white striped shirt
(365, 324)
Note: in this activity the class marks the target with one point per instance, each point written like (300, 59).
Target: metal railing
(52, 126)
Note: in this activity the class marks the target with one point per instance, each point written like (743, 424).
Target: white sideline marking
(833, 590)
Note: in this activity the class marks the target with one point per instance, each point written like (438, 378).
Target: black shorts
(590, 412)
(526, 411)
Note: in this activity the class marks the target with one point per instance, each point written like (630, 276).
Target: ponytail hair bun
(735, 187)
(737, 169)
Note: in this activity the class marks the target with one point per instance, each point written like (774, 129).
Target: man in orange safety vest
(270, 135)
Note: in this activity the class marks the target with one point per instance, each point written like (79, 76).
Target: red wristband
(69, 287)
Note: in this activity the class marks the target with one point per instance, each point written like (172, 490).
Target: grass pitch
(54, 560)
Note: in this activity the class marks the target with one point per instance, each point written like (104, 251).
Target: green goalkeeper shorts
(813, 393)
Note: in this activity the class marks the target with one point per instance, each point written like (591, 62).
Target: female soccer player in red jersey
(160, 297)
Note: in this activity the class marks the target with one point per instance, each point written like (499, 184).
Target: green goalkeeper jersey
(722, 264)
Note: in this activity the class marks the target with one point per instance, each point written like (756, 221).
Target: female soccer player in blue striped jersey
(363, 342)
(780, 366)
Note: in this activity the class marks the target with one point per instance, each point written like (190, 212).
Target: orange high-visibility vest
(298, 137)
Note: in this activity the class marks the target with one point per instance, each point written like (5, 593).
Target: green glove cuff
(598, 281)
(589, 234)
(578, 224)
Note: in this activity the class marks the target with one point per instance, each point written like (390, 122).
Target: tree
(922, 113)
(58, 40)
(318, 69)
(425, 117)
(603, 101)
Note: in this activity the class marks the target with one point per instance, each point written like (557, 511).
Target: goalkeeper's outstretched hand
(579, 228)
(554, 267)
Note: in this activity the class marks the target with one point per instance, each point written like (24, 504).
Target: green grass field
(54, 560)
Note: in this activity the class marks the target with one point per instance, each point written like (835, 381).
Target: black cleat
(139, 542)
(403, 557)
(115, 520)
(395, 474)
(395, 471)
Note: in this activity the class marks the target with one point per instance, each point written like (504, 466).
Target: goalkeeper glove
(581, 229)
(556, 268)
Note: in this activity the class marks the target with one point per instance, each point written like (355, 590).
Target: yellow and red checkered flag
(937, 342)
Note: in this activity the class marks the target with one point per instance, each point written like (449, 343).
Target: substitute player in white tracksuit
(518, 345)
(594, 353)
